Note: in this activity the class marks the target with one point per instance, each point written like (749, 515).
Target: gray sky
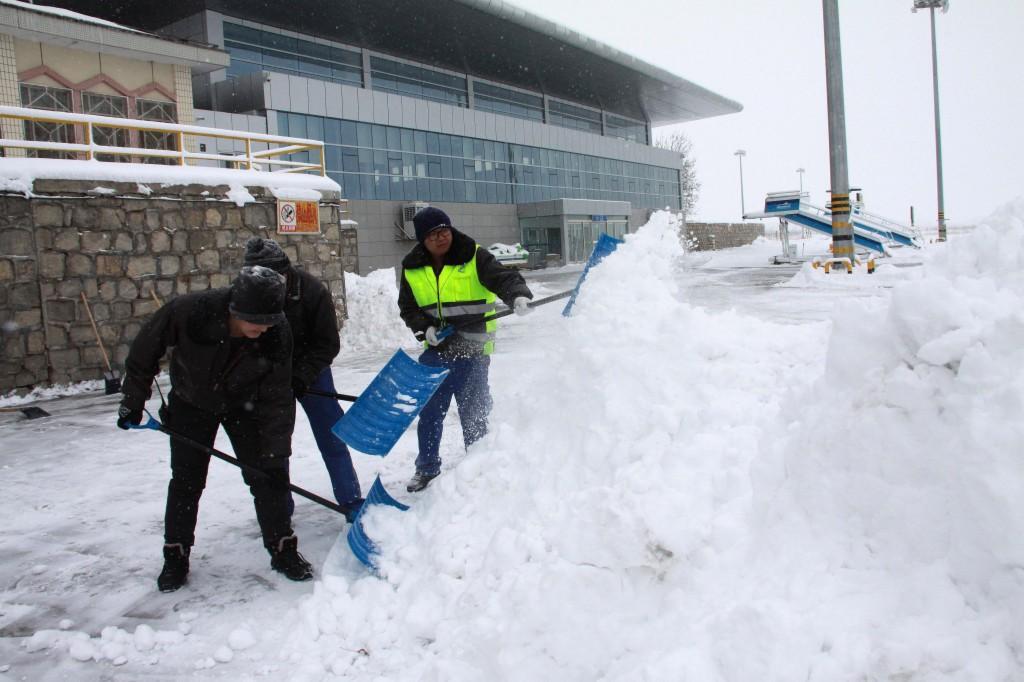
(769, 56)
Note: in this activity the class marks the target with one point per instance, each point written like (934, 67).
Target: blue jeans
(323, 413)
(467, 383)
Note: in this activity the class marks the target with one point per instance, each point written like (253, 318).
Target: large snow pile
(373, 322)
(663, 507)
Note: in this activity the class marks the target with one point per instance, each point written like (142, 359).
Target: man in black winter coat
(314, 324)
(447, 280)
(230, 366)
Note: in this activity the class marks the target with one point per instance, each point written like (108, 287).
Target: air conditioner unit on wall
(405, 225)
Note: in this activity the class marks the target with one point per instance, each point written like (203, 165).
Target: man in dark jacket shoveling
(230, 366)
(314, 324)
(448, 280)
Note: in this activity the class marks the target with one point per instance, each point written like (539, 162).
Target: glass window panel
(242, 33)
(315, 127)
(332, 131)
(363, 134)
(280, 60)
(314, 67)
(332, 157)
(379, 137)
(244, 52)
(278, 41)
(394, 138)
(240, 68)
(348, 133)
(297, 125)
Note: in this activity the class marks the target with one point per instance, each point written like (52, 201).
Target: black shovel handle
(157, 426)
(336, 396)
(450, 329)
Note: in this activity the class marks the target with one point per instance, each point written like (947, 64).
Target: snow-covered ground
(714, 470)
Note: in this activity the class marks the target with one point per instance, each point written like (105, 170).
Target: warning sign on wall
(298, 217)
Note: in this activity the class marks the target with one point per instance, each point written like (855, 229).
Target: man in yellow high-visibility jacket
(447, 279)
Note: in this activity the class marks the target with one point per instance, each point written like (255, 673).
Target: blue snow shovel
(604, 246)
(389, 404)
(358, 541)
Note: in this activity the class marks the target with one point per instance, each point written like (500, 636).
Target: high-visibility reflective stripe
(467, 309)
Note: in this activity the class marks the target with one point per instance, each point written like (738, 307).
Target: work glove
(431, 336)
(521, 305)
(126, 416)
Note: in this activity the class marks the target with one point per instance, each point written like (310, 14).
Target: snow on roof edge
(68, 14)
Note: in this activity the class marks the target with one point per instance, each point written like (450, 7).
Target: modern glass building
(522, 130)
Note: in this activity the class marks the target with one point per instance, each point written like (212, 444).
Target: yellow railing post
(88, 140)
(181, 147)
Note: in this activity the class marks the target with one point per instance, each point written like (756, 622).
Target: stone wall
(711, 236)
(118, 243)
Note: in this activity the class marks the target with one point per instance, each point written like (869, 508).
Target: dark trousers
(189, 466)
(323, 413)
(467, 383)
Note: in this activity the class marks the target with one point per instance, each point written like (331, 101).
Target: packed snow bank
(895, 523)
(662, 507)
(565, 544)
(373, 321)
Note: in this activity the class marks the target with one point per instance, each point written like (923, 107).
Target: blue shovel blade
(358, 541)
(389, 404)
(604, 246)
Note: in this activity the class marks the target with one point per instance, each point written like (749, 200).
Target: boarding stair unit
(870, 231)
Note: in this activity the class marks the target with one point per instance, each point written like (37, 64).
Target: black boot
(420, 481)
(285, 558)
(175, 571)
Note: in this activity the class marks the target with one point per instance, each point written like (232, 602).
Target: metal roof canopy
(488, 39)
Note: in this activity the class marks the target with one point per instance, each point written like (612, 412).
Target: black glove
(299, 388)
(126, 416)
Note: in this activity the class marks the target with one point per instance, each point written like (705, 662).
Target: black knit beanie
(429, 219)
(257, 295)
(266, 252)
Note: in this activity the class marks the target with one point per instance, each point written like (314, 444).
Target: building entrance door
(580, 237)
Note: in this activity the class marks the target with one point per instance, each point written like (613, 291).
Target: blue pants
(323, 413)
(467, 382)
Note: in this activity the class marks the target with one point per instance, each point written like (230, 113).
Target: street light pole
(944, 6)
(842, 230)
(801, 172)
(740, 153)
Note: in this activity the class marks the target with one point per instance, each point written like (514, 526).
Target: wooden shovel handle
(96, 331)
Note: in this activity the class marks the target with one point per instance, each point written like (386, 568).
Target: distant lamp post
(740, 153)
(931, 6)
(800, 172)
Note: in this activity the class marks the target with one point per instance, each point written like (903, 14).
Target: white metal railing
(262, 152)
(887, 225)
